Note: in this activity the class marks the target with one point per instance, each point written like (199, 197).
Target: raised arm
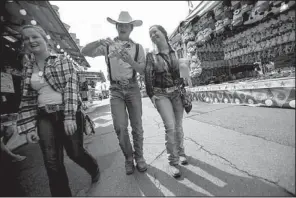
(94, 49)
(139, 65)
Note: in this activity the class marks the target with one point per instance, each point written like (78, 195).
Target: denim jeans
(170, 108)
(126, 102)
(52, 140)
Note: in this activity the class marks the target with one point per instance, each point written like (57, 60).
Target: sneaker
(129, 167)
(141, 166)
(183, 160)
(95, 177)
(174, 171)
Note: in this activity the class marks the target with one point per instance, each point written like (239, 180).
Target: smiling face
(33, 41)
(124, 30)
(156, 35)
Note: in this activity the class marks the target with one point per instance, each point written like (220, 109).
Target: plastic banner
(271, 93)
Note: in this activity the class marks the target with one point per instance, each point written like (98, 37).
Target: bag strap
(108, 63)
(136, 58)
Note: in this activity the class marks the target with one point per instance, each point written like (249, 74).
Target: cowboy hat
(124, 17)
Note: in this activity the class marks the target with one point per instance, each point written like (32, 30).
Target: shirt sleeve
(149, 75)
(99, 51)
(26, 120)
(70, 94)
(141, 58)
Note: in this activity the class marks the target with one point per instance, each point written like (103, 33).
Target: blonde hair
(38, 29)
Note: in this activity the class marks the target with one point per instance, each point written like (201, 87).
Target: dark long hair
(160, 28)
(175, 63)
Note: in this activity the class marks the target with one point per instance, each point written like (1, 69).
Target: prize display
(240, 41)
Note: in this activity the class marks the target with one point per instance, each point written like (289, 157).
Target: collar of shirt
(116, 39)
(30, 59)
(171, 50)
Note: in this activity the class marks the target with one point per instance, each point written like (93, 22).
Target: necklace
(40, 74)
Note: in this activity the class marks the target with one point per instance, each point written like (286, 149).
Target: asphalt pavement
(233, 151)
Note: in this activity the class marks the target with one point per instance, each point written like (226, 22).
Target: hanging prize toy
(257, 12)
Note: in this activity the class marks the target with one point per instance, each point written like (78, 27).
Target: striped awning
(44, 14)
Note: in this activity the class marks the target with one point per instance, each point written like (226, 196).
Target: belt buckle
(169, 90)
(49, 108)
(124, 82)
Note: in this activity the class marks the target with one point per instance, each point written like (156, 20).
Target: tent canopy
(44, 14)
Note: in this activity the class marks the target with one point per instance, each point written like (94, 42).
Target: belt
(165, 90)
(48, 108)
(124, 82)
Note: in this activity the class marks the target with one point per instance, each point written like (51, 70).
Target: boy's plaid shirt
(61, 75)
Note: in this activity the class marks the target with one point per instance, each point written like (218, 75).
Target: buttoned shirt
(121, 70)
(162, 71)
(61, 75)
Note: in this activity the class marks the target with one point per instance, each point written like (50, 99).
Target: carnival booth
(88, 83)
(13, 15)
(241, 52)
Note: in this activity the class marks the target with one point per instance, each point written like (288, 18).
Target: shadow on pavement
(25, 178)
(235, 185)
(9, 181)
(149, 188)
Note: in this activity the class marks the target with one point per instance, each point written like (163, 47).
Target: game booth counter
(241, 52)
(271, 93)
(13, 15)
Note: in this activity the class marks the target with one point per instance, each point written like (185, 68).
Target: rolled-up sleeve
(149, 75)
(141, 57)
(71, 89)
(99, 51)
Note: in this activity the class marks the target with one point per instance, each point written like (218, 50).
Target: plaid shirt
(61, 75)
(160, 74)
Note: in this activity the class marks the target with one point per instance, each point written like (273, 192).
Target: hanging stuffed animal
(195, 67)
(235, 4)
(274, 9)
(189, 36)
(227, 16)
(196, 27)
(219, 27)
(257, 12)
(218, 11)
(191, 47)
(286, 5)
(238, 14)
(199, 38)
(207, 34)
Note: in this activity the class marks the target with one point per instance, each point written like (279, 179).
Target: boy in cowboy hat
(124, 59)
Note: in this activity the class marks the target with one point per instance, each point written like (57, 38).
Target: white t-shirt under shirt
(46, 95)
(121, 70)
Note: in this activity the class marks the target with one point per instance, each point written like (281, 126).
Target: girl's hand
(70, 127)
(32, 137)
(153, 99)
